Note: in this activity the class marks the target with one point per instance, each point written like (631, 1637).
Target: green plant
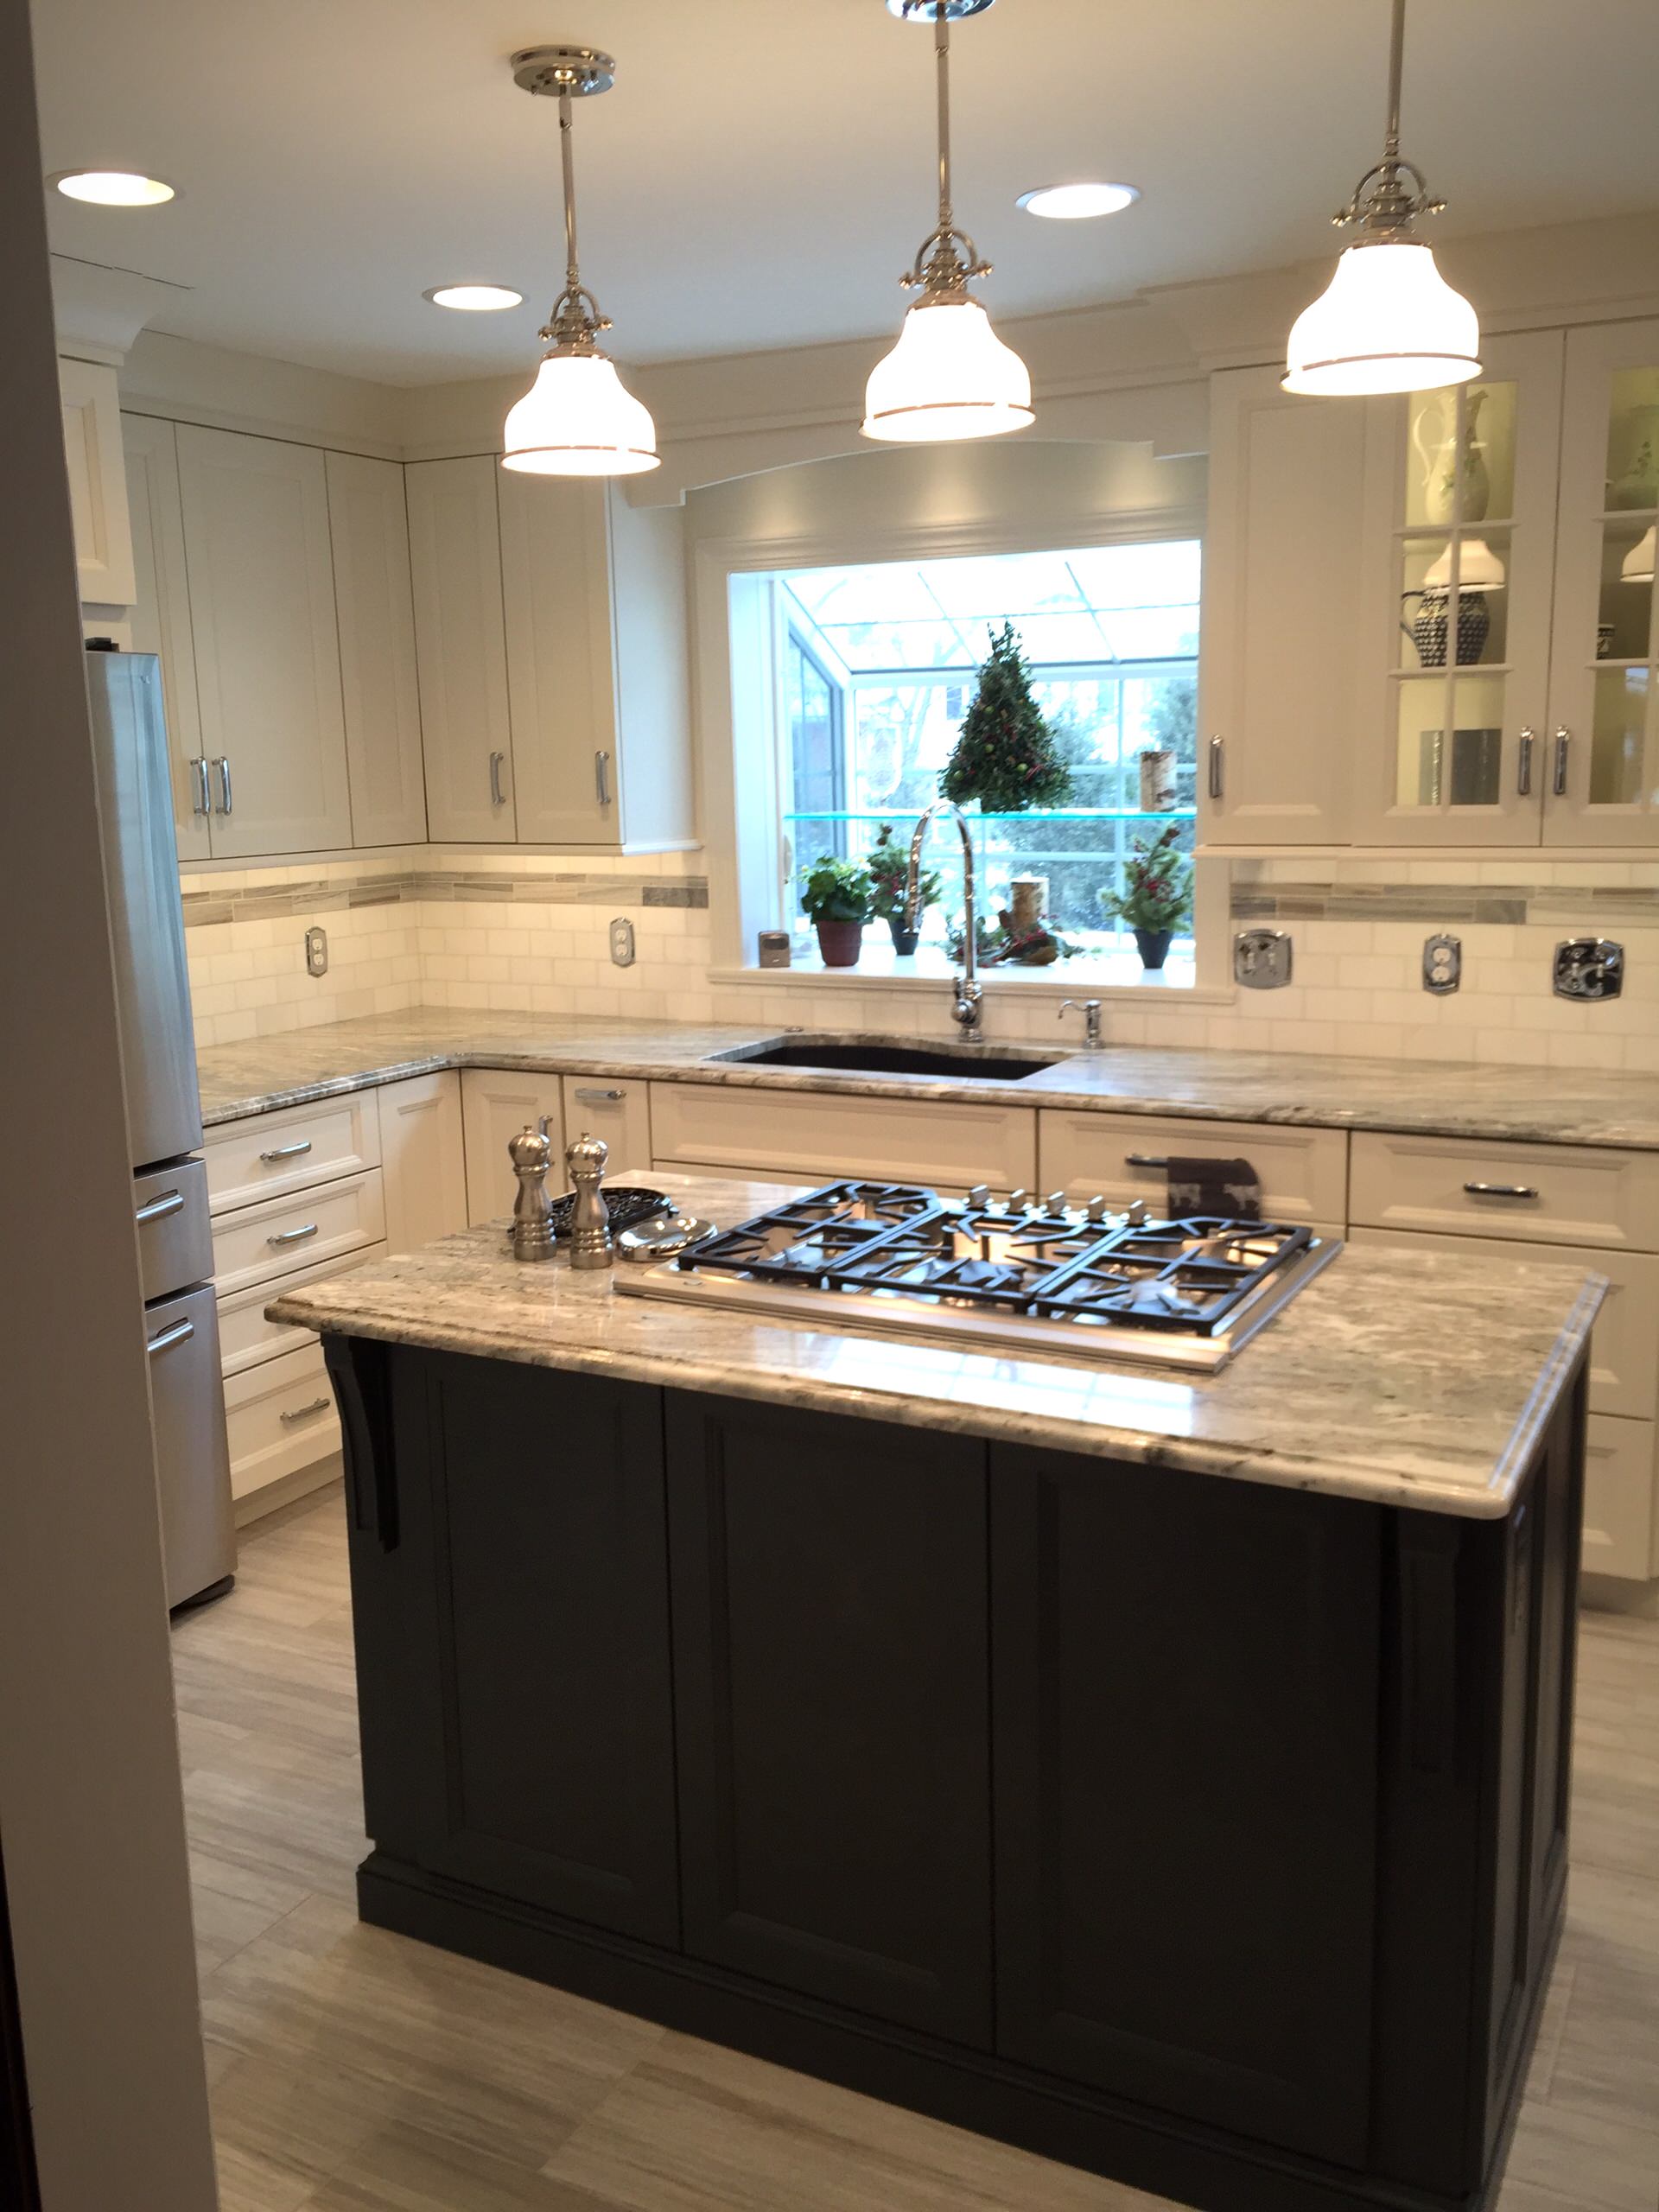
(835, 890)
(888, 866)
(1157, 892)
(1006, 756)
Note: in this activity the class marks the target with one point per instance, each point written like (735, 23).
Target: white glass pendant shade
(948, 376)
(577, 420)
(1387, 321)
(1637, 566)
(1478, 568)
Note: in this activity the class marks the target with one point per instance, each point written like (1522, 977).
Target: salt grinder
(532, 1212)
(590, 1221)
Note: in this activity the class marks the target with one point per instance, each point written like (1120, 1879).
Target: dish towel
(1229, 1187)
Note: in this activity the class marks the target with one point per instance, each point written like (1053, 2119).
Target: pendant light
(576, 419)
(950, 376)
(1387, 320)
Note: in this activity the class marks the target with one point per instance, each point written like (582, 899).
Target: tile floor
(353, 2071)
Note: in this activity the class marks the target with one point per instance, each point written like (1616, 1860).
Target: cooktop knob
(1017, 1201)
(980, 1195)
(1055, 1202)
(1096, 1210)
(1136, 1216)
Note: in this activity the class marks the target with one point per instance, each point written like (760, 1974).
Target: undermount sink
(880, 1056)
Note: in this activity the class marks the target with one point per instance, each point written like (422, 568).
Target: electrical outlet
(316, 952)
(1442, 964)
(1262, 959)
(622, 943)
(1588, 968)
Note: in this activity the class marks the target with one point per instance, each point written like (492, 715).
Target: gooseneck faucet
(965, 1006)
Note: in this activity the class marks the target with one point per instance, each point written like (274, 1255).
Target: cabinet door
(532, 1505)
(423, 1163)
(1460, 551)
(556, 580)
(619, 1112)
(1604, 725)
(161, 615)
(455, 553)
(262, 606)
(830, 1646)
(1184, 1879)
(494, 1108)
(373, 598)
(1282, 604)
(97, 489)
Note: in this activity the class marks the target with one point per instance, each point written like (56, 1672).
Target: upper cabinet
(267, 643)
(160, 617)
(369, 532)
(97, 490)
(456, 547)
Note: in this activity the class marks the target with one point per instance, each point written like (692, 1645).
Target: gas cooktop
(1024, 1274)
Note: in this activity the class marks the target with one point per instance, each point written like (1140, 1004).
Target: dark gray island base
(1207, 1835)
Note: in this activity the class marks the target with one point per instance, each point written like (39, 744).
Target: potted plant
(889, 867)
(1157, 895)
(835, 897)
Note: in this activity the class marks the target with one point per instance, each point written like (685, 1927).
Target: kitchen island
(1168, 1774)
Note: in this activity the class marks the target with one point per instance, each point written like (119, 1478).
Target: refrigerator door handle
(158, 1208)
(164, 1339)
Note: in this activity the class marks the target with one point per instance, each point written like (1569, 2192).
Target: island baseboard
(987, 2095)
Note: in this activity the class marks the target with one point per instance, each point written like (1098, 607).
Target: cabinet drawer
(269, 1153)
(256, 1242)
(619, 1112)
(280, 1417)
(246, 1338)
(1625, 1351)
(792, 1134)
(1618, 1503)
(1303, 1172)
(1544, 1193)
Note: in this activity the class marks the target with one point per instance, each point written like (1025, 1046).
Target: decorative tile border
(1334, 901)
(316, 895)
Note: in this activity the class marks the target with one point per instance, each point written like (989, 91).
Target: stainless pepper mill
(590, 1220)
(532, 1212)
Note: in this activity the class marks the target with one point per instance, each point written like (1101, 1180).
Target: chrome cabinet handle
(497, 797)
(227, 797)
(285, 1151)
(602, 777)
(1145, 1160)
(164, 1339)
(1500, 1189)
(601, 1098)
(1217, 748)
(202, 802)
(1563, 739)
(158, 1208)
(293, 1235)
(1524, 770)
(304, 1413)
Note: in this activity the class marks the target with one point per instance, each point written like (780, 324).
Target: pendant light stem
(567, 157)
(1396, 70)
(941, 56)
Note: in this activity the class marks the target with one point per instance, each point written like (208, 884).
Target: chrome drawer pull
(1500, 1189)
(1145, 1160)
(286, 1152)
(497, 797)
(601, 1098)
(602, 777)
(164, 1339)
(1218, 746)
(158, 1208)
(304, 1413)
(293, 1235)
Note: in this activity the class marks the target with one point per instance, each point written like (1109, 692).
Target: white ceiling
(763, 169)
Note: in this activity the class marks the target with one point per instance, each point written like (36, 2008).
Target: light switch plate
(316, 952)
(1442, 964)
(1590, 967)
(622, 943)
(1262, 959)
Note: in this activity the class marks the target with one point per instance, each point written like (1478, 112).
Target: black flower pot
(904, 941)
(1152, 945)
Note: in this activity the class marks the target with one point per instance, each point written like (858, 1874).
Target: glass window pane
(1425, 569)
(1476, 766)
(1633, 441)
(1617, 746)
(1624, 627)
(1486, 477)
(1421, 746)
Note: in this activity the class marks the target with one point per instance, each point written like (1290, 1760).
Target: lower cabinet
(831, 1646)
(422, 1163)
(619, 1112)
(494, 1106)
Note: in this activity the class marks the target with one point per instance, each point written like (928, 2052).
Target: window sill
(1117, 980)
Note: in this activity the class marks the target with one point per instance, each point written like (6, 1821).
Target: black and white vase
(1432, 623)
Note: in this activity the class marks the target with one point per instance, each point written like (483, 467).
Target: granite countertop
(1425, 1098)
(1424, 1381)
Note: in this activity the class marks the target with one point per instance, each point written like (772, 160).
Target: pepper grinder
(532, 1212)
(590, 1219)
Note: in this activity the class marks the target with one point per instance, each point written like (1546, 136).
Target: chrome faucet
(965, 1006)
(1089, 1009)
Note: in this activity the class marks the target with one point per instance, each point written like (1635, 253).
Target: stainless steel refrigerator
(170, 1182)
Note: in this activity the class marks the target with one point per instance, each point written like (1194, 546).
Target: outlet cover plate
(1442, 964)
(1588, 968)
(316, 952)
(1262, 959)
(622, 943)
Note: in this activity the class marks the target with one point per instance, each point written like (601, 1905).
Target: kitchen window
(879, 663)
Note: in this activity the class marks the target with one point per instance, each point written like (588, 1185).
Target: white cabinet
(796, 1136)
(1279, 677)
(1620, 1522)
(1122, 1157)
(619, 1112)
(97, 488)
(267, 647)
(161, 615)
(291, 1149)
(1536, 1193)
(422, 1160)
(374, 601)
(495, 1105)
(455, 552)
(594, 600)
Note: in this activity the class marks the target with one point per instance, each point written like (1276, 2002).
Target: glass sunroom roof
(1101, 603)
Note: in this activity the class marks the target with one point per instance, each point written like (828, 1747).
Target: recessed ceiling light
(1073, 203)
(475, 298)
(112, 188)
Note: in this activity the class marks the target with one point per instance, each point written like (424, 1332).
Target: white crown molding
(100, 310)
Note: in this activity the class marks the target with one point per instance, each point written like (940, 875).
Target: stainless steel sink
(883, 1055)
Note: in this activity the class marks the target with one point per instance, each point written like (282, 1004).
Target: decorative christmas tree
(1006, 756)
